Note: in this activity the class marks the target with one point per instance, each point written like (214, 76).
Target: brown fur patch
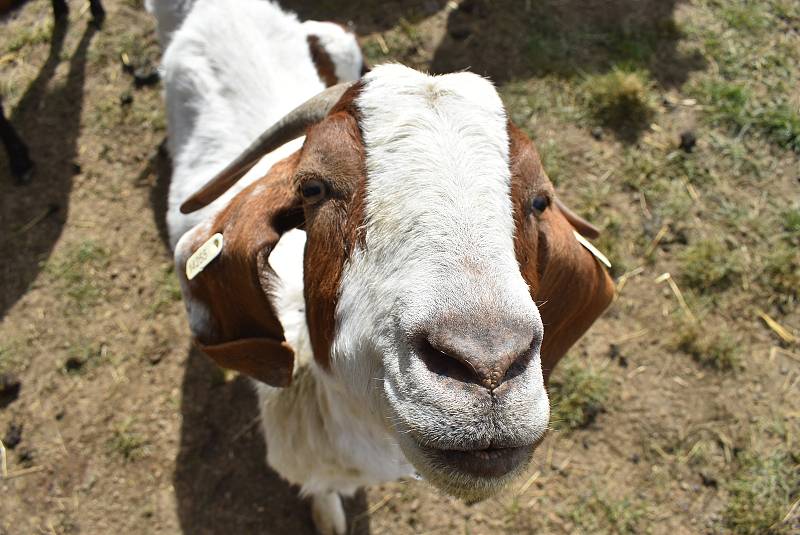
(568, 284)
(334, 153)
(322, 61)
(234, 286)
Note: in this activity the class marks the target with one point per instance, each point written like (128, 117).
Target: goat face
(429, 235)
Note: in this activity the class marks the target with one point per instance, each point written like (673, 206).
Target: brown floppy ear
(228, 302)
(569, 285)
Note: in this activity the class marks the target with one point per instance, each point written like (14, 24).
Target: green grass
(761, 493)
(781, 272)
(167, 292)
(621, 100)
(578, 393)
(791, 222)
(709, 265)
(77, 275)
(9, 356)
(708, 343)
(597, 513)
(38, 34)
(127, 443)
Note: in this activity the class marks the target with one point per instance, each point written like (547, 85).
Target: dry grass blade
(25, 472)
(3, 465)
(531, 480)
(678, 294)
(776, 327)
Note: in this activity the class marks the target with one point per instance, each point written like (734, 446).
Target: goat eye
(540, 204)
(314, 191)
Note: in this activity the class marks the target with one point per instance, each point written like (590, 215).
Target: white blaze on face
(439, 240)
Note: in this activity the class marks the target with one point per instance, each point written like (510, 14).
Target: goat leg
(98, 13)
(60, 10)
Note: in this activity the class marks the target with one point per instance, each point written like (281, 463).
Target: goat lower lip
(486, 463)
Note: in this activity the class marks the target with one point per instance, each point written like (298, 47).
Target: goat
(18, 155)
(372, 260)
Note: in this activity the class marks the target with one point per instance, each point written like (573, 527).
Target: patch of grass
(761, 494)
(38, 34)
(9, 356)
(726, 102)
(732, 104)
(711, 347)
(126, 443)
(745, 16)
(708, 265)
(781, 124)
(578, 393)
(597, 513)
(791, 222)
(781, 272)
(621, 99)
(77, 273)
(168, 290)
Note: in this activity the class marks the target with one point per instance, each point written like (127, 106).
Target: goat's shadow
(366, 16)
(510, 40)
(32, 216)
(222, 482)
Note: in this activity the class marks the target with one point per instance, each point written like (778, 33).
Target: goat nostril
(444, 364)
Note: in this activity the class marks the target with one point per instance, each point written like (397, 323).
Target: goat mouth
(492, 462)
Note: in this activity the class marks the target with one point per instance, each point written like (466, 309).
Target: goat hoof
(328, 514)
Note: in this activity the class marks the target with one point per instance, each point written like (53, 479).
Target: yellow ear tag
(203, 256)
(592, 249)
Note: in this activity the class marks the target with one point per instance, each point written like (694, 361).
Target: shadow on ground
(222, 482)
(512, 39)
(32, 216)
(365, 16)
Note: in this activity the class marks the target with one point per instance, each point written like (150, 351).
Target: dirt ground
(679, 412)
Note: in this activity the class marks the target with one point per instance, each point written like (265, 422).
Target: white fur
(439, 239)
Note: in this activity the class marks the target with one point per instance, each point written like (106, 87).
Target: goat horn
(291, 126)
(577, 222)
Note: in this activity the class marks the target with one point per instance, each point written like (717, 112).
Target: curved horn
(291, 126)
(579, 223)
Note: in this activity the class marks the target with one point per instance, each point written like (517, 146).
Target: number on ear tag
(203, 256)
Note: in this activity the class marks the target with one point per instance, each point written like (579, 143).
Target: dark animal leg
(18, 158)
(98, 13)
(60, 10)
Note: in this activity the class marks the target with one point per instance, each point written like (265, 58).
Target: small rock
(597, 133)
(74, 364)
(76, 168)
(10, 386)
(708, 480)
(613, 351)
(60, 415)
(145, 76)
(635, 458)
(25, 457)
(126, 99)
(688, 141)
(13, 436)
